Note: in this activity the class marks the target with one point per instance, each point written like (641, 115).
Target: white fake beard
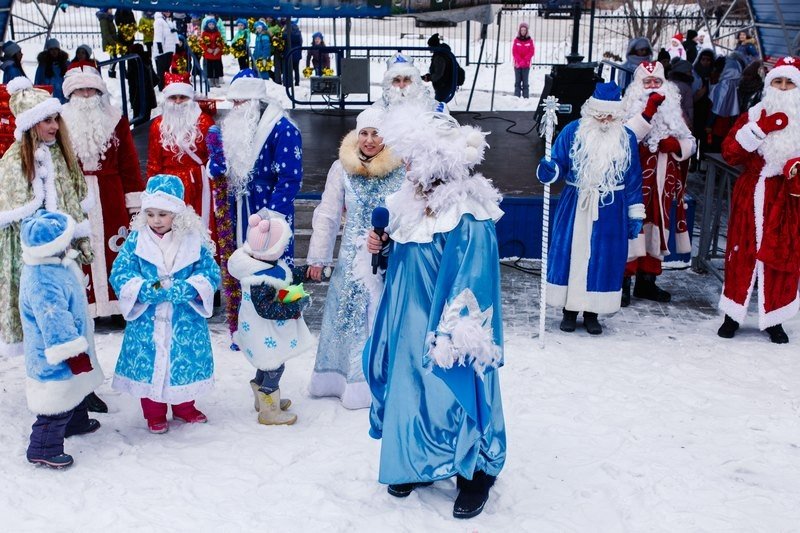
(91, 122)
(601, 154)
(782, 145)
(668, 120)
(394, 95)
(179, 132)
(238, 132)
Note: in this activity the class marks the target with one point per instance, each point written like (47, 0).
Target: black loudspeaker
(572, 84)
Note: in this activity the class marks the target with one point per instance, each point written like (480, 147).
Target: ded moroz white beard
(91, 123)
(668, 120)
(601, 155)
(782, 145)
(179, 131)
(238, 133)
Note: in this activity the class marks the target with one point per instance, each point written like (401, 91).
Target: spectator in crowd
(522, 50)
(442, 70)
(294, 39)
(126, 29)
(262, 51)
(83, 54)
(690, 45)
(165, 37)
(751, 85)
(53, 62)
(725, 101)
(317, 55)
(12, 62)
(108, 36)
(675, 48)
(701, 88)
(681, 75)
(665, 59)
(242, 38)
(639, 51)
(746, 46)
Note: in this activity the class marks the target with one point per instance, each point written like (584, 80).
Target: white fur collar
(381, 164)
(244, 267)
(188, 252)
(408, 221)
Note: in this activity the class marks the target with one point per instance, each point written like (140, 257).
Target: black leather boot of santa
(647, 289)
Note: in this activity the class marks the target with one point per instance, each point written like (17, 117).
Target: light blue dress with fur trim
(166, 353)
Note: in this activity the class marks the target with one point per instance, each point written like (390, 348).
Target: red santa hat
(83, 75)
(678, 36)
(786, 67)
(649, 69)
(176, 86)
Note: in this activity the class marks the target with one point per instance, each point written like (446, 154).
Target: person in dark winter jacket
(294, 40)
(690, 45)
(126, 28)
(83, 54)
(441, 72)
(149, 82)
(53, 62)
(12, 62)
(317, 56)
(639, 51)
(751, 86)
(108, 34)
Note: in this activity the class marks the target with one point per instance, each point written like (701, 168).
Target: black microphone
(380, 219)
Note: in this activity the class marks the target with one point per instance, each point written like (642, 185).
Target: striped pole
(547, 128)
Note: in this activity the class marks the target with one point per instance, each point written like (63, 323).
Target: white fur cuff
(133, 200)
(636, 211)
(553, 180)
(61, 352)
(750, 137)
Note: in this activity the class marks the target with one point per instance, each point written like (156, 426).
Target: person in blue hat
(60, 362)
(165, 277)
(599, 211)
(242, 36)
(262, 50)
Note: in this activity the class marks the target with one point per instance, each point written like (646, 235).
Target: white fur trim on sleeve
(639, 126)
(61, 352)
(555, 177)
(28, 119)
(464, 338)
(83, 229)
(750, 136)
(688, 147)
(129, 304)
(636, 211)
(133, 200)
(204, 308)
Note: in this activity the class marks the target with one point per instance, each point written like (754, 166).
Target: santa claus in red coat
(762, 247)
(177, 146)
(103, 144)
(653, 112)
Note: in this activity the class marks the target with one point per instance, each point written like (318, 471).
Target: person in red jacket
(764, 225)
(213, 45)
(102, 140)
(522, 51)
(178, 147)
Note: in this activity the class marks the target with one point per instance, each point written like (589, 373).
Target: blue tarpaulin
(778, 25)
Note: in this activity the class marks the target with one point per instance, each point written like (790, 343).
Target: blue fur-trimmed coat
(166, 353)
(277, 176)
(56, 327)
(589, 243)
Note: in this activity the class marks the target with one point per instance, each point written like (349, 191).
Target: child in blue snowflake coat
(270, 332)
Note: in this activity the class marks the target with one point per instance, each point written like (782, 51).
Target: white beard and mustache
(601, 155)
(238, 134)
(668, 120)
(179, 131)
(91, 122)
(782, 145)
(415, 91)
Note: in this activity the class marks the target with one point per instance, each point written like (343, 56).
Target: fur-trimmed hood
(381, 164)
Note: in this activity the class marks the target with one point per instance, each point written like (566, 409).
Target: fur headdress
(29, 105)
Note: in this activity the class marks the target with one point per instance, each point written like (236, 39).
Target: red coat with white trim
(764, 212)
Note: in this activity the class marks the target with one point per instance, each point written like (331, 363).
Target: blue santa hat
(247, 85)
(259, 24)
(400, 65)
(164, 192)
(46, 233)
(606, 100)
(241, 21)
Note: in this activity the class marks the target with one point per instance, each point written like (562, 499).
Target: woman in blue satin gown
(431, 361)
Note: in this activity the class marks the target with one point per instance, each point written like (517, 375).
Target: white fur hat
(83, 76)
(247, 85)
(400, 65)
(178, 88)
(29, 105)
(786, 67)
(371, 117)
(46, 233)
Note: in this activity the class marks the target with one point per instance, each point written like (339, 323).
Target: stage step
(303, 214)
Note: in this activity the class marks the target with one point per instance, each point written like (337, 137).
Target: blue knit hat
(606, 100)
(241, 21)
(46, 233)
(165, 192)
(259, 24)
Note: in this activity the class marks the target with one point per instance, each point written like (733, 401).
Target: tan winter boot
(285, 402)
(269, 412)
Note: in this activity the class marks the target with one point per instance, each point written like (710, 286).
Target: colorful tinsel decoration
(126, 32)
(263, 65)
(238, 48)
(146, 29)
(250, 22)
(327, 72)
(179, 65)
(194, 44)
(278, 44)
(307, 72)
(226, 245)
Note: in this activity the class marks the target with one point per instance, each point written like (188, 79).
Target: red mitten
(653, 103)
(79, 364)
(669, 145)
(774, 122)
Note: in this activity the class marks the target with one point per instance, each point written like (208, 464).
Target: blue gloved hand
(152, 292)
(547, 172)
(216, 154)
(181, 292)
(634, 227)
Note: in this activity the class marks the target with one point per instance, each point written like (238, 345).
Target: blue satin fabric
(434, 424)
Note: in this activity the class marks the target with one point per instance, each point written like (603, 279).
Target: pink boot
(187, 412)
(156, 415)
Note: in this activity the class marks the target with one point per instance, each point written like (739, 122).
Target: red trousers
(154, 410)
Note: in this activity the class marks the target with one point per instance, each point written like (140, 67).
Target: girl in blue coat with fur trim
(165, 277)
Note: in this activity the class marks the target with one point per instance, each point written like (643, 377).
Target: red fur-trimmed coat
(115, 186)
(762, 231)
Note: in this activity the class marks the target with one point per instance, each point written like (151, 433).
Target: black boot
(591, 324)
(95, 404)
(472, 494)
(777, 335)
(647, 289)
(401, 490)
(569, 322)
(626, 291)
(728, 328)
